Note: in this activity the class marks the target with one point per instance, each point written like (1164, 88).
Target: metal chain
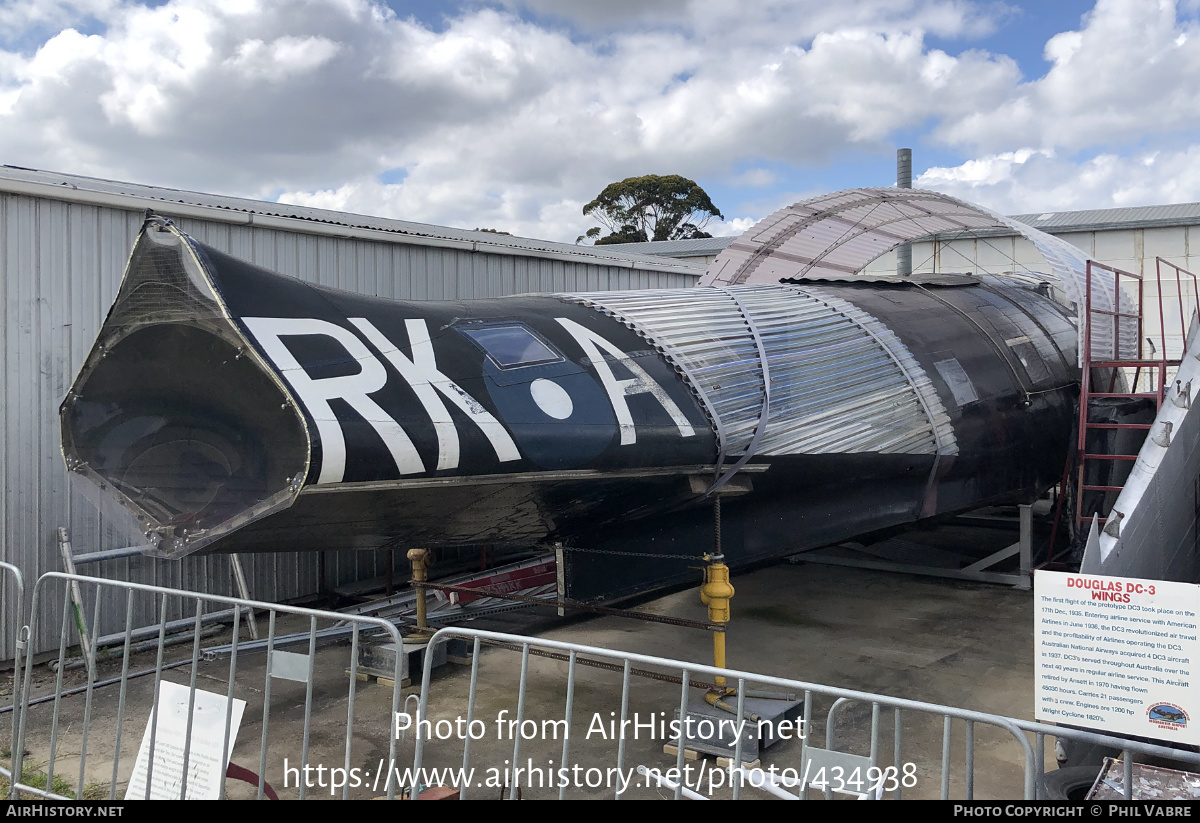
(635, 554)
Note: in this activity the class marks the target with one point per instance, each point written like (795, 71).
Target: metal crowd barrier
(686, 675)
(20, 644)
(61, 732)
(64, 734)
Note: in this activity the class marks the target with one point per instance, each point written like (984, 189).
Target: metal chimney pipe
(904, 181)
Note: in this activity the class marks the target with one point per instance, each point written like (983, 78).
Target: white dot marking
(551, 398)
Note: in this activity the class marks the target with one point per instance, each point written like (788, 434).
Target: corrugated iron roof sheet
(697, 247)
(1133, 217)
(322, 221)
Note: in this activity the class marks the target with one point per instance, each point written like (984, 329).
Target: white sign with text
(1118, 654)
(205, 761)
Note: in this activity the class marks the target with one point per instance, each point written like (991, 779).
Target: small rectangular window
(512, 345)
(957, 380)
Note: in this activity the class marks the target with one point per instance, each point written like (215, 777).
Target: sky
(513, 114)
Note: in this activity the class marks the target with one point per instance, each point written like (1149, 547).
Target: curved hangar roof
(836, 235)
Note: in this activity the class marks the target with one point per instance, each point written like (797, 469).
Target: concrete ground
(960, 644)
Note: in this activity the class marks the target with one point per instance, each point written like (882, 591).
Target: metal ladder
(1115, 357)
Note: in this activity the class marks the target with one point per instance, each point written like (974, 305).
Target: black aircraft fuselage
(232, 409)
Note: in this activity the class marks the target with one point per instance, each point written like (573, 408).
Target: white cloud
(282, 57)
(493, 120)
(732, 227)
(1114, 122)
(1030, 181)
(1126, 74)
(21, 17)
(981, 172)
(756, 178)
(1063, 46)
(764, 20)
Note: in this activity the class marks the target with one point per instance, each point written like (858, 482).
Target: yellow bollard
(716, 594)
(421, 560)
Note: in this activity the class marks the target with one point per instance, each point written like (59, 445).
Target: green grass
(31, 776)
(95, 791)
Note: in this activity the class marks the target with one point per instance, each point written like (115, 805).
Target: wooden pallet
(693, 754)
(383, 680)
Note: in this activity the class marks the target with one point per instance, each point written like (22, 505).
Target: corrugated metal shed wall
(60, 265)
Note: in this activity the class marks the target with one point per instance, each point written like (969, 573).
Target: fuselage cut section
(229, 408)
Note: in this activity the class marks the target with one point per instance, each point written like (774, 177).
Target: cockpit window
(511, 345)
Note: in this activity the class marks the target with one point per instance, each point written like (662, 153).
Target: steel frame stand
(71, 561)
(977, 571)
